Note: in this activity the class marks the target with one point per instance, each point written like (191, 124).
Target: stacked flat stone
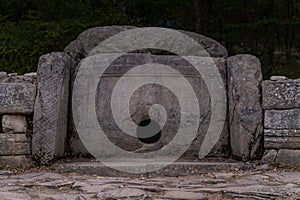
(17, 95)
(281, 102)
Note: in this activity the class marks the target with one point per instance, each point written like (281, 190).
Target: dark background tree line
(269, 29)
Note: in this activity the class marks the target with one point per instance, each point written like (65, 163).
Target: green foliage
(21, 44)
(268, 29)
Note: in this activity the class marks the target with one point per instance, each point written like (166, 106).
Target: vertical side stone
(51, 107)
(245, 109)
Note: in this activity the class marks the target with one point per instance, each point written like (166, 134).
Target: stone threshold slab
(182, 168)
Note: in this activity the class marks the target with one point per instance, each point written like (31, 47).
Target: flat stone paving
(263, 182)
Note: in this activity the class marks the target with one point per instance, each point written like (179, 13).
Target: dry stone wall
(17, 96)
(281, 102)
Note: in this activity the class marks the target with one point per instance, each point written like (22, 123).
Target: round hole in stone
(148, 131)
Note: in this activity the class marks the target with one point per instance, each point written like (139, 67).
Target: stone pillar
(51, 107)
(245, 110)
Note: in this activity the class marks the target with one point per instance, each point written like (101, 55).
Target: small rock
(288, 157)
(263, 167)
(15, 123)
(32, 74)
(80, 198)
(13, 195)
(278, 78)
(20, 161)
(122, 193)
(269, 156)
(13, 74)
(6, 172)
(224, 175)
(3, 75)
(149, 188)
(184, 195)
(56, 184)
(12, 188)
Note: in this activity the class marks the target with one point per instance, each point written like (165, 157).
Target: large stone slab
(148, 95)
(93, 167)
(51, 107)
(282, 142)
(282, 119)
(283, 94)
(245, 111)
(281, 139)
(89, 39)
(14, 123)
(17, 98)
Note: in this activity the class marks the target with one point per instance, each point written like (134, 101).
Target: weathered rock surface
(282, 156)
(175, 169)
(281, 94)
(245, 111)
(288, 156)
(90, 38)
(282, 139)
(149, 95)
(51, 107)
(20, 79)
(17, 98)
(31, 74)
(14, 123)
(3, 75)
(278, 78)
(14, 161)
(14, 137)
(14, 144)
(127, 193)
(184, 195)
(282, 119)
(269, 156)
(263, 184)
(213, 48)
